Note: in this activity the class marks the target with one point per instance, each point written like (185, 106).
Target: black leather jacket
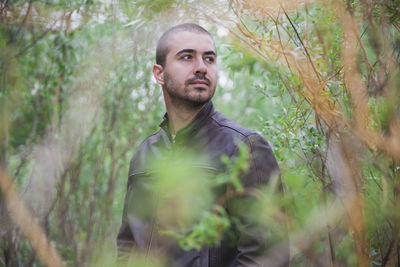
(214, 135)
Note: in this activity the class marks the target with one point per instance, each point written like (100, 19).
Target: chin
(197, 102)
(201, 98)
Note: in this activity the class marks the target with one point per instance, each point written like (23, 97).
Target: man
(186, 69)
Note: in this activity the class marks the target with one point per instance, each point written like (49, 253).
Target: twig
(301, 41)
(24, 20)
(387, 255)
(280, 42)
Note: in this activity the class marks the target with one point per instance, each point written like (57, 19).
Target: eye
(210, 59)
(186, 57)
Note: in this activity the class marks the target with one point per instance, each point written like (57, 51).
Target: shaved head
(163, 44)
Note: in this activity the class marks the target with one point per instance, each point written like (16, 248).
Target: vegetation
(319, 79)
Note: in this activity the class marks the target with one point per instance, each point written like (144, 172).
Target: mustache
(198, 77)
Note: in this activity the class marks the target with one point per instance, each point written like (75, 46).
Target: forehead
(199, 42)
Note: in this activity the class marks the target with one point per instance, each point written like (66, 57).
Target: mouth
(199, 82)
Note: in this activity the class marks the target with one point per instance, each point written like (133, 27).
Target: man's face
(190, 72)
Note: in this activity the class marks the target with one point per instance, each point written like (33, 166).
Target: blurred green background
(77, 98)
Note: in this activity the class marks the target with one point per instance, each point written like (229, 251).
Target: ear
(158, 73)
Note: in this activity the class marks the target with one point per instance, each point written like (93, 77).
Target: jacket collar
(194, 125)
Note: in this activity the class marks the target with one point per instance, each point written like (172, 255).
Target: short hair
(163, 46)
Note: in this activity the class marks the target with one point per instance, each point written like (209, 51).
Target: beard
(190, 98)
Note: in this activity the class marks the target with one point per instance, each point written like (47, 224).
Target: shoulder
(139, 159)
(152, 139)
(231, 127)
(227, 134)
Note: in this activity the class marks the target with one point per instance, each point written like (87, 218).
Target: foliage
(208, 231)
(319, 79)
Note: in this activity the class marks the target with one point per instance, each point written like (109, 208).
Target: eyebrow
(192, 51)
(210, 53)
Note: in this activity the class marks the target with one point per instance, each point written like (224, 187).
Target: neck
(180, 117)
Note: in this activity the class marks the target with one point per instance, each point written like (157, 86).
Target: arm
(139, 209)
(254, 237)
(125, 239)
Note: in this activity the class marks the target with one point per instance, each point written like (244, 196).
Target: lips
(199, 82)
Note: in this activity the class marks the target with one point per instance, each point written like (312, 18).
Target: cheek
(181, 73)
(176, 74)
(214, 75)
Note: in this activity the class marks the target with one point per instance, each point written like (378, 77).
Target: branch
(3, 7)
(23, 50)
(24, 220)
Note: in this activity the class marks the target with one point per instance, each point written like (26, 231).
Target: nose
(200, 66)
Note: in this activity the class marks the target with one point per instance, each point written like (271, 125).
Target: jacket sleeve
(255, 239)
(125, 238)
